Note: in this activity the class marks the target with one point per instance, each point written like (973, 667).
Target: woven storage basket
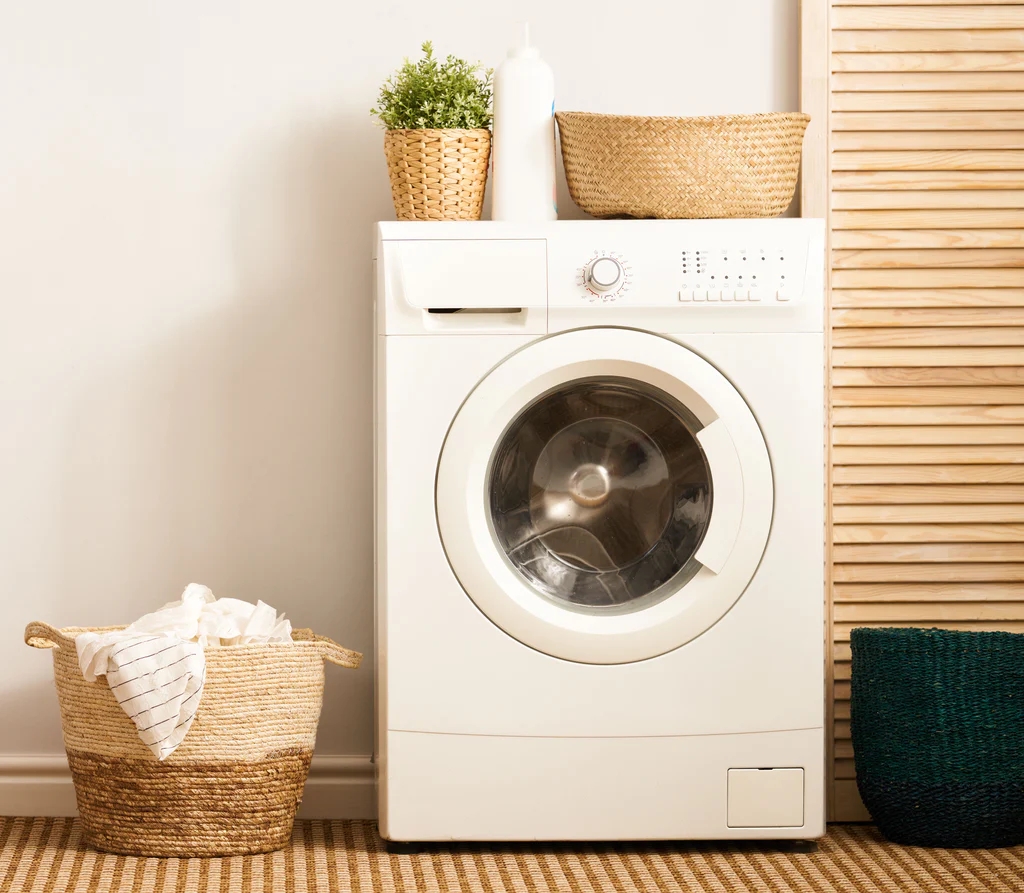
(437, 174)
(730, 166)
(234, 783)
(937, 720)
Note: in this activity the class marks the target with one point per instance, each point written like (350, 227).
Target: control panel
(754, 273)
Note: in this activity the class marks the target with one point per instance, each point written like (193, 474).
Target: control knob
(603, 274)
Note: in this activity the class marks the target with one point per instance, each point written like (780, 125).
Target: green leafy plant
(434, 94)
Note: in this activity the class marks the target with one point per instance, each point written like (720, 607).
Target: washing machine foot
(798, 846)
(403, 847)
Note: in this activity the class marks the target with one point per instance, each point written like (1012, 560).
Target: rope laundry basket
(937, 721)
(234, 783)
(729, 166)
(437, 174)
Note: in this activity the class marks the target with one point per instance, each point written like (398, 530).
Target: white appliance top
(666, 276)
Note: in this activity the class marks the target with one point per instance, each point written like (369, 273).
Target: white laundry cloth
(156, 667)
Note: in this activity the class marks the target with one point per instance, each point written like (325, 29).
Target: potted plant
(438, 140)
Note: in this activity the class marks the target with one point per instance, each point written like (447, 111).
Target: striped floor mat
(48, 855)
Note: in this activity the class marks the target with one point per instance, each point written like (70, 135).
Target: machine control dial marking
(605, 277)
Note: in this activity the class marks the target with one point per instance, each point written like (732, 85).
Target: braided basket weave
(233, 785)
(729, 166)
(937, 721)
(437, 174)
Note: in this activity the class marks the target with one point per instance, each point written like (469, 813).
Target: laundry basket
(723, 166)
(234, 783)
(937, 721)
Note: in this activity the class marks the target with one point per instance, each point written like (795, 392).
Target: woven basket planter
(234, 783)
(730, 166)
(937, 720)
(438, 174)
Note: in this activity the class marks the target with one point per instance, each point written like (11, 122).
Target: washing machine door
(604, 495)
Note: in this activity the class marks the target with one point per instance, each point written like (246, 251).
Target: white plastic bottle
(523, 146)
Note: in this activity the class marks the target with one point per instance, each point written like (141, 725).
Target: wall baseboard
(339, 787)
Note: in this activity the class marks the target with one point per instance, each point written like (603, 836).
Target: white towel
(157, 666)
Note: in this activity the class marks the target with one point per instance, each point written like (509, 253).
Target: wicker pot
(234, 783)
(730, 166)
(937, 720)
(437, 174)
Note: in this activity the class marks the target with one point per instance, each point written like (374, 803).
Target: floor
(331, 857)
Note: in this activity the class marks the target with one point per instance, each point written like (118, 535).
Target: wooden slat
(928, 533)
(904, 16)
(882, 190)
(908, 278)
(932, 41)
(932, 554)
(846, 803)
(877, 435)
(979, 239)
(944, 601)
(926, 81)
(924, 120)
(908, 494)
(928, 258)
(980, 454)
(945, 573)
(927, 356)
(923, 514)
(955, 609)
(966, 101)
(989, 218)
(927, 415)
(940, 396)
(938, 317)
(910, 139)
(928, 474)
(937, 336)
(926, 376)
(981, 298)
(930, 160)
(939, 62)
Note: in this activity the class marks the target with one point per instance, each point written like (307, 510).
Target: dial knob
(603, 274)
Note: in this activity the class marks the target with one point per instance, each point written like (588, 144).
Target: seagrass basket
(937, 722)
(233, 785)
(437, 174)
(727, 166)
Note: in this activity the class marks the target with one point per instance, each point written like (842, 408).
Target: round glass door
(604, 495)
(600, 495)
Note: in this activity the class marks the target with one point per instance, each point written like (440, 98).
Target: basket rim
(304, 638)
(477, 130)
(750, 117)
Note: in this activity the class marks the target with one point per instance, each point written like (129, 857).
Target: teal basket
(937, 720)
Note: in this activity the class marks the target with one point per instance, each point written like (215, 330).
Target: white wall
(186, 198)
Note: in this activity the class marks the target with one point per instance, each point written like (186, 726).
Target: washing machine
(599, 530)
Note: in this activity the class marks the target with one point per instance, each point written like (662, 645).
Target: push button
(782, 295)
(740, 294)
(754, 295)
(700, 294)
(726, 294)
(685, 295)
(713, 295)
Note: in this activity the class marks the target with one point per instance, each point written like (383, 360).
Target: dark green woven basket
(937, 719)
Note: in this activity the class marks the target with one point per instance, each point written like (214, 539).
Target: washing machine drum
(604, 495)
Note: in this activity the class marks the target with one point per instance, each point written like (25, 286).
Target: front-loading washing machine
(599, 530)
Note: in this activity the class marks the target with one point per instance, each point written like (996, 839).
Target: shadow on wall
(237, 451)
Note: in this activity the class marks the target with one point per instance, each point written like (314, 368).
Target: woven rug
(48, 855)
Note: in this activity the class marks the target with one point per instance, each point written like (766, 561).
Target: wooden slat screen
(924, 191)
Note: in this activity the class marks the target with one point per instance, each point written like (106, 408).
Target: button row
(739, 294)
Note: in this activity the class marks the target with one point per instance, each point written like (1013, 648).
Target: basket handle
(329, 649)
(42, 635)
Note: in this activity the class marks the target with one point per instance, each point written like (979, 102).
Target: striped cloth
(158, 681)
